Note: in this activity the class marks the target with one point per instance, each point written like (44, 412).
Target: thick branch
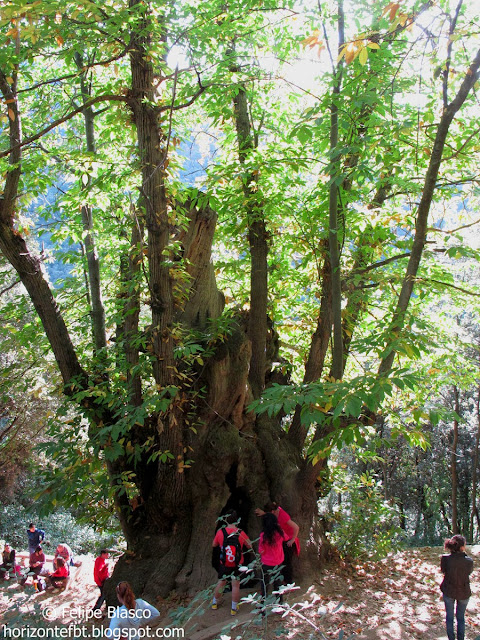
(28, 267)
(257, 237)
(421, 225)
(10, 191)
(59, 121)
(203, 300)
(151, 146)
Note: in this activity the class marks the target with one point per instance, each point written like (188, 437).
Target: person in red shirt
(100, 575)
(270, 548)
(291, 544)
(58, 577)
(229, 539)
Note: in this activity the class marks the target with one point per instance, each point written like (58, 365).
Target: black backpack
(230, 550)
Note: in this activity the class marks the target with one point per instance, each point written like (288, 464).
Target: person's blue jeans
(460, 614)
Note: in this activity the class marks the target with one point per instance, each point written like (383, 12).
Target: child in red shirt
(58, 577)
(271, 552)
(291, 546)
(100, 575)
(229, 566)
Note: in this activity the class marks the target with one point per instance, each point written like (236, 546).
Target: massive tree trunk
(199, 451)
(238, 462)
(220, 456)
(223, 456)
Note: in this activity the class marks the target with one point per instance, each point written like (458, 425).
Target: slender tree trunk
(93, 262)
(403, 518)
(318, 346)
(465, 500)
(321, 338)
(475, 457)
(131, 271)
(453, 463)
(443, 511)
(334, 235)
(362, 259)
(419, 497)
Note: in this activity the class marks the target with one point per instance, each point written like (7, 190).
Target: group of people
(42, 577)
(277, 544)
(279, 541)
(62, 561)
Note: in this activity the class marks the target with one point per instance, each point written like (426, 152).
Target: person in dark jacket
(456, 567)
(35, 537)
(8, 561)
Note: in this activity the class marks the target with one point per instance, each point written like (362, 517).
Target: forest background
(239, 262)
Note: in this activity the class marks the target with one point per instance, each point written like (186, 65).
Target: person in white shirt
(133, 613)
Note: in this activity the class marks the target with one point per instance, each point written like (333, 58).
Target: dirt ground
(395, 599)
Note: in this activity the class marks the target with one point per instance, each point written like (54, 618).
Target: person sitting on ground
(292, 544)
(37, 562)
(132, 612)
(100, 575)
(8, 561)
(231, 541)
(58, 577)
(35, 537)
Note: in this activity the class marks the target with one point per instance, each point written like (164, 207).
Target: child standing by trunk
(272, 555)
(231, 541)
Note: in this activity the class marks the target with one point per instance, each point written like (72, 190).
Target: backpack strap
(222, 546)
